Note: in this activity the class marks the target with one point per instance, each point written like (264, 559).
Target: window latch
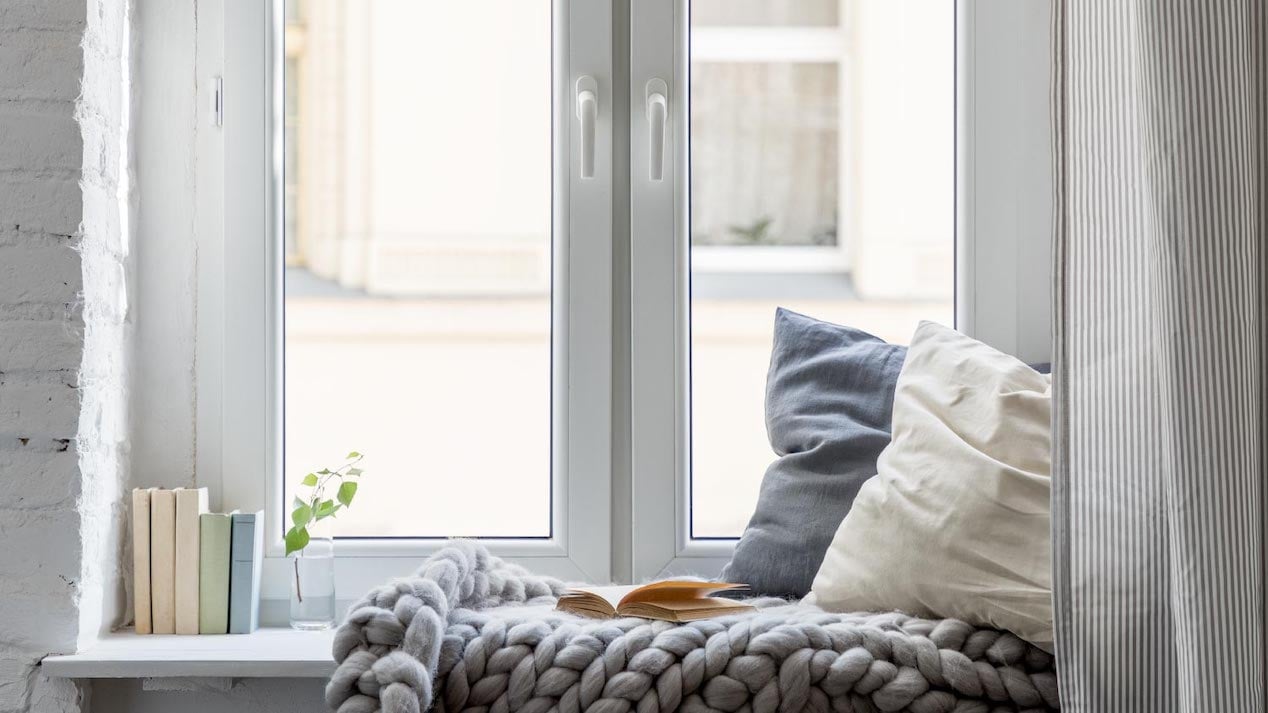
(657, 115)
(587, 114)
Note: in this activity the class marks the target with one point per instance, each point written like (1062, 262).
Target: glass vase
(312, 575)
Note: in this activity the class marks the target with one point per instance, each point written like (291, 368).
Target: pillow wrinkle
(956, 522)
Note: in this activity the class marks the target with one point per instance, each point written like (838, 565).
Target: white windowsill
(267, 653)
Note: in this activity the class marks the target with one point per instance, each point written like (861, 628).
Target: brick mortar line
(34, 377)
(72, 34)
(43, 240)
(68, 312)
(25, 175)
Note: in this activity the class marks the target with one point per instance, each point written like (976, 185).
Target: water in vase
(313, 591)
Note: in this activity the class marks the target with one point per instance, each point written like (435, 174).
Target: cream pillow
(955, 523)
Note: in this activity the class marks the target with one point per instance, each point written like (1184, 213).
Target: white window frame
(1004, 175)
(241, 440)
(1002, 282)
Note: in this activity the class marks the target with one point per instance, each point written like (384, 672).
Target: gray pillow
(829, 399)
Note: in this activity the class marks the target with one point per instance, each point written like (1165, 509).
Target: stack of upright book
(195, 572)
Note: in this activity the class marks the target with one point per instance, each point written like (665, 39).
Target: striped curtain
(1161, 416)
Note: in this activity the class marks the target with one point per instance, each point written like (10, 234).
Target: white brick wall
(64, 218)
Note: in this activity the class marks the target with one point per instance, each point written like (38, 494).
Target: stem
(299, 593)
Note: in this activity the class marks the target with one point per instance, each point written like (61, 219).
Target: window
(415, 269)
(819, 174)
(423, 255)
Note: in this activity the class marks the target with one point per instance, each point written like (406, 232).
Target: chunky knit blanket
(471, 632)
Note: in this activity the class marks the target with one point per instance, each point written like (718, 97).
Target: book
(246, 553)
(163, 561)
(191, 503)
(670, 600)
(216, 532)
(142, 619)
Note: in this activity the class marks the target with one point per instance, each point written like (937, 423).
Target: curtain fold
(1160, 119)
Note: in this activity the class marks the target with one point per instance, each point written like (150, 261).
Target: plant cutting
(326, 492)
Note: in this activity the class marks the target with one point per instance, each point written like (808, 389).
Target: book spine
(163, 561)
(213, 573)
(246, 554)
(191, 503)
(142, 618)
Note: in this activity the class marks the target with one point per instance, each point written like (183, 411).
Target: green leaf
(309, 480)
(296, 539)
(346, 491)
(301, 515)
(326, 508)
(324, 471)
(355, 471)
(352, 454)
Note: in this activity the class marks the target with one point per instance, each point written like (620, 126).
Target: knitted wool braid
(431, 641)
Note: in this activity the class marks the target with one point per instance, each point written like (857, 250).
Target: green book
(213, 575)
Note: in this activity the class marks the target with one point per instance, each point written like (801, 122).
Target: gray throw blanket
(471, 632)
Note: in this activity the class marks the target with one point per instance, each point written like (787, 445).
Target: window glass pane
(764, 173)
(418, 233)
(823, 184)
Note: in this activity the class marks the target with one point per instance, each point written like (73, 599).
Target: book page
(613, 595)
(676, 589)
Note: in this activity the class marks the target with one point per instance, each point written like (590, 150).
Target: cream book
(191, 503)
(671, 600)
(163, 561)
(141, 617)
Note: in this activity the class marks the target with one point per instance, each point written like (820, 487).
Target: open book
(672, 600)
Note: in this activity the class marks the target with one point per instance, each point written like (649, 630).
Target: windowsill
(267, 653)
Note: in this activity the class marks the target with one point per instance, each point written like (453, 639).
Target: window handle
(587, 114)
(657, 114)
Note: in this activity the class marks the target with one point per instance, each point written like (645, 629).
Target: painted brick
(41, 548)
(43, 14)
(37, 138)
(60, 504)
(58, 695)
(42, 64)
(39, 274)
(51, 620)
(40, 345)
(100, 160)
(15, 683)
(50, 205)
(39, 479)
(106, 27)
(102, 226)
(38, 410)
